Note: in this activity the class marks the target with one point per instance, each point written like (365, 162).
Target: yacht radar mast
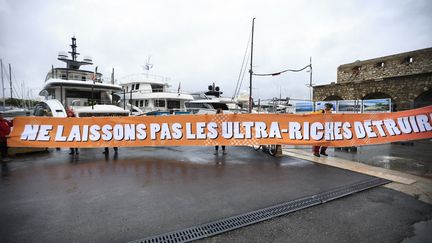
(74, 63)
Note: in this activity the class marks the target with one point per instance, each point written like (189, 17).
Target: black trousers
(3, 148)
(217, 147)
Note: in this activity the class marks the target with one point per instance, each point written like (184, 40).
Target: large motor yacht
(152, 94)
(85, 92)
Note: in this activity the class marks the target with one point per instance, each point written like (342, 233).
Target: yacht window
(136, 102)
(136, 86)
(133, 85)
(223, 106)
(146, 103)
(157, 88)
(141, 103)
(173, 104)
(83, 78)
(159, 103)
(63, 76)
(197, 105)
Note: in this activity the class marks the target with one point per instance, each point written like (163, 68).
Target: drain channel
(235, 222)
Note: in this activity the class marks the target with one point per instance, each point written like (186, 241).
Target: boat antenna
(73, 53)
(250, 70)
(147, 66)
(112, 76)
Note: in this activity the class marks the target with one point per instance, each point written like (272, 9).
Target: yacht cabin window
(146, 103)
(136, 86)
(157, 88)
(141, 103)
(159, 103)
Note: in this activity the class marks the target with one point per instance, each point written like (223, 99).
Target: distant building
(406, 78)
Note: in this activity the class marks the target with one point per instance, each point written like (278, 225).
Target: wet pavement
(140, 192)
(147, 191)
(375, 215)
(409, 157)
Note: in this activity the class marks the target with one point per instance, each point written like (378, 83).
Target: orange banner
(223, 129)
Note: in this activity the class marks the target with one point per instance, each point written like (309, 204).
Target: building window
(409, 60)
(380, 65)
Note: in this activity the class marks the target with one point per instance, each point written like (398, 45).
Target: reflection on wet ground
(146, 191)
(410, 157)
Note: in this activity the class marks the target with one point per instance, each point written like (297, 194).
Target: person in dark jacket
(219, 111)
(5, 128)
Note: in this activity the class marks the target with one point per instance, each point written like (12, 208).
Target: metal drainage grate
(235, 222)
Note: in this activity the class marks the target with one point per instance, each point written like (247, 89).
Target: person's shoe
(316, 154)
(324, 154)
(223, 152)
(71, 152)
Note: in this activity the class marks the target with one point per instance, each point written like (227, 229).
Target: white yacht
(208, 102)
(80, 90)
(151, 94)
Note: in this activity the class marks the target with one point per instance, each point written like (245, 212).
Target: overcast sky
(199, 42)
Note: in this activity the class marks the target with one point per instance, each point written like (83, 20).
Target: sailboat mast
(250, 70)
(3, 91)
(10, 79)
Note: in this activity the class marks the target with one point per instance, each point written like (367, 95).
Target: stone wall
(403, 64)
(402, 77)
(402, 90)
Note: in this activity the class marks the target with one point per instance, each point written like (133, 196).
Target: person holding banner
(5, 128)
(219, 111)
(321, 150)
(106, 150)
(70, 113)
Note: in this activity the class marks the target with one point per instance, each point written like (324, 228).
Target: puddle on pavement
(422, 233)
